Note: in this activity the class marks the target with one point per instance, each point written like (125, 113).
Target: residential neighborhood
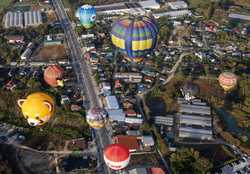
(131, 87)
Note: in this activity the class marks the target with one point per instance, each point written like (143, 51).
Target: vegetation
(187, 161)
(4, 4)
(165, 29)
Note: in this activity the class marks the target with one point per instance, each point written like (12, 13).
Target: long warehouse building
(195, 133)
(13, 19)
(195, 109)
(196, 120)
(23, 19)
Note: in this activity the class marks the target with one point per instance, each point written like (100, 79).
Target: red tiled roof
(127, 140)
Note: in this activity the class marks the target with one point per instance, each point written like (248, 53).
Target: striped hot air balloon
(135, 36)
(227, 80)
(87, 15)
(53, 75)
(116, 156)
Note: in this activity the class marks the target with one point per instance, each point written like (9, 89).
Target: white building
(176, 5)
(20, 19)
(112, 102)
(148, 141)
(129, 77)
(133, 120)
(32, 18)
(26, 54)
(195, 133)
(127, 7)
(239, 16)
(173, 14)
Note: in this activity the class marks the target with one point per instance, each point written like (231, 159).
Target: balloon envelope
(227, 80)
(86, 15)
(37, 108)
(116, 156)
(96, 117)
(53, 75)
(135, 36)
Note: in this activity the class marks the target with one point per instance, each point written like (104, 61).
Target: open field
(52, 52)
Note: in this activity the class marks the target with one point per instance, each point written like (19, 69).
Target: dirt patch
(51, 52)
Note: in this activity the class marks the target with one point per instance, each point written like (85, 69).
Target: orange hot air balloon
(116, 156)
(53, 75)
(227, 80)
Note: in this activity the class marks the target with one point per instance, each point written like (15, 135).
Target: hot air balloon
(37, 108)
(96, 117)
(227, 80)
(135, 36)
(53, 75)
(87, 15)
(116, 156)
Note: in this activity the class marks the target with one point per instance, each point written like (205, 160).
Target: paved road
(85, 82)
(174, 68)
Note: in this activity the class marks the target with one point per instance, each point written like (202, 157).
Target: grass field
(4, 4)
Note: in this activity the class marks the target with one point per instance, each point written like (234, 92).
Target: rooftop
(128, 140)
(177, 5)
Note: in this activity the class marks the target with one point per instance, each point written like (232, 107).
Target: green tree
(188, 161)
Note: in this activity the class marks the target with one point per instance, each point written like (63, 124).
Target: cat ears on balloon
(48, 104)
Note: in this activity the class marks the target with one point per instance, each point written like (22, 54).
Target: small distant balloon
(87, 16)
(37, 108)
(227, 81)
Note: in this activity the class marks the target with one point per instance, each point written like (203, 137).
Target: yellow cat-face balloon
(37, 108)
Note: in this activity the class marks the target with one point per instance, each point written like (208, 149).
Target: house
(87, 36)
(138, 171)
(127, 7)
(133, 132)
(74, 107)
(15, 39)
(130, 113)
(211, 26)
(65, 99)
(149, 72)
(148, 79)
(105, 88)
(173, 14)
(129, 141)
(167, 120)
(176, 5)
(26, 54)
(200, 54)
(133, 120)
(128, 77)
(147, 141)
(10, 85)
